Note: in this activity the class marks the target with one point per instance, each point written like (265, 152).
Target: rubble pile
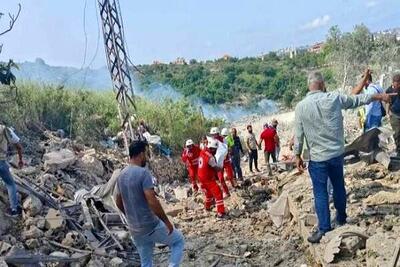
(57, 226)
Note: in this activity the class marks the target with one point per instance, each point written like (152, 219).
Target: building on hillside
(156, 62)
(180, 61)
(316, 48)
(288, 51)
(226, 57)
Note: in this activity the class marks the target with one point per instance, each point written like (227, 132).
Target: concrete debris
(59, 160)
(91, 164)
(383, 197)
(32, 232)
(32, 206)
(54, 219)
(4, 247)
(181, 193)
(279, 210)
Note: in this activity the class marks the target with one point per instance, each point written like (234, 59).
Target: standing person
(394, 109)
(269, 137)
(203, 143)
(228, 168)
(236, 149)
(277, 140)
(252, 146)
(374, 111)
(208, 169)
(319, 122)
(215, 134)
(7, 137)
(190, 156)
(147, 220)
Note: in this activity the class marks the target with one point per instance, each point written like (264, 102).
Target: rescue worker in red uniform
(214, 132)
(207, 173)
(190, 156)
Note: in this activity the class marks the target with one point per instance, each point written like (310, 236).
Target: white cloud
(371, 3)
(317, 22)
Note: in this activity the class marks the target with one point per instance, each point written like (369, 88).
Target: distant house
(316, 48)
(226, 57)
(180, 61)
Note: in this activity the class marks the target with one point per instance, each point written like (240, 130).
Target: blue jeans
(145, 245)
(372, 122)
(10, 184)
(320, 172)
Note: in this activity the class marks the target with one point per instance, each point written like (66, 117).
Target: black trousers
(253, 156)
(237, 170)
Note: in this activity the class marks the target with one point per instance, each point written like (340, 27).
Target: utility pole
(117, 61)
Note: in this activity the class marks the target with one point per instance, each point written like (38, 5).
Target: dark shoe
(258, 170)
(13, 213)
(315, 237)
(222, 216)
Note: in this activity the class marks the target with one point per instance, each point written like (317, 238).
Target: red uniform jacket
(205, 172)
(191, 157)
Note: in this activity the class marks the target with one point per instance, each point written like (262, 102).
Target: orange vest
(205, 172)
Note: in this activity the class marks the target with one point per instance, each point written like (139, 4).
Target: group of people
(318, 126)
(203, 167)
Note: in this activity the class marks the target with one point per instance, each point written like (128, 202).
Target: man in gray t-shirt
(147, 220)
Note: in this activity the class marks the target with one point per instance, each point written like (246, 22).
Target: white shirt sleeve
(14, 138)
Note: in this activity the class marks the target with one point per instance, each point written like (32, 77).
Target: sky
(163, 30)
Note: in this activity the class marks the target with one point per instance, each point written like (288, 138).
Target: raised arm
(359, 87)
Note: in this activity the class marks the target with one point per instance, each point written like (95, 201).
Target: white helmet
(189, 142)
(214, 130)
(212, 144)
(225, 132)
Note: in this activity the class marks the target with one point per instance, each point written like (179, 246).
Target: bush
(86, 114)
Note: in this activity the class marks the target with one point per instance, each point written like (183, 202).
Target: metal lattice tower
(117, 61)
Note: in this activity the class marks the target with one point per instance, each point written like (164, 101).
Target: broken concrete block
(91, 165)
(181, 193)
(73, 239)
(58, 160)
(117, 262)
(4, 247)
(33, 232)
(380, 248)
(279, 210)
(32, 205)
(54, 219)
(174, 210)
(383, 197)
(32, 243)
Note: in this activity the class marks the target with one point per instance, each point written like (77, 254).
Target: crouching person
(207, 174)
(147, 220)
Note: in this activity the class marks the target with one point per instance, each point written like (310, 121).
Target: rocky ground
(269, 217)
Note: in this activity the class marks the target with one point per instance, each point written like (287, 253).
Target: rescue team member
(147, 220)
(190, 156)
(207, 176)
(215, 134)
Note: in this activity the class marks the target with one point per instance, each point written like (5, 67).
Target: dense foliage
(86, 114)
(232, 79)
(280, 78)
